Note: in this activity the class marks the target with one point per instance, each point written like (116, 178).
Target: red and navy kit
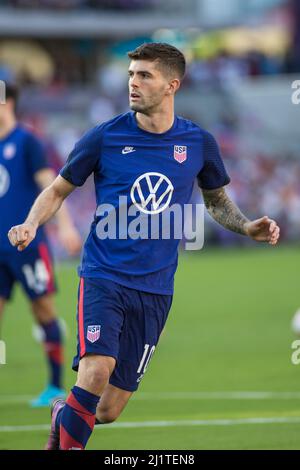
(126, 282)
(125, 162)
(124, 323)
(32, 268)
(21, 156)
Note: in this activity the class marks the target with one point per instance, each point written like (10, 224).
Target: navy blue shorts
(32, 268)
(124, 323)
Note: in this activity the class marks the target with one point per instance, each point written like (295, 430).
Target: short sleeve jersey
(21, 156)
(139, 176)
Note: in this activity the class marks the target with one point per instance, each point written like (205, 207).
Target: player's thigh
(33, 268)
(112, 403)
(144, 321)
(43, 308)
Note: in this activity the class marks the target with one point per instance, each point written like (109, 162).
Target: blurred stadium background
(69, 58)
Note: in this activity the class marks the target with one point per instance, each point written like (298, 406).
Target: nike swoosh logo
(124, 151)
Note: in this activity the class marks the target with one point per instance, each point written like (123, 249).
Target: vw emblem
(151, 193)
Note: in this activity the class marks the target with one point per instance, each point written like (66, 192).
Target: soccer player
(146, 159)
(23, 173)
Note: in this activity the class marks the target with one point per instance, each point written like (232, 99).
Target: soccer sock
(77, 419)
(54, 350)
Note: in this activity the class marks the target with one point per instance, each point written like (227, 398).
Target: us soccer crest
(9, 151)
(93, 333)
(180, 153)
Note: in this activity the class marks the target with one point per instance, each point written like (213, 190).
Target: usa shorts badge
(180, 153)
(93, 333)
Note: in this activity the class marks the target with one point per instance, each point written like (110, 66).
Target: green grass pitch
(228, 333)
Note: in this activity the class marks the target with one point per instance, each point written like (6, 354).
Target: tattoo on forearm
(224, 211)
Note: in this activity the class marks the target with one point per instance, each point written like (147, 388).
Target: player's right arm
(82, 162)
(45, 206)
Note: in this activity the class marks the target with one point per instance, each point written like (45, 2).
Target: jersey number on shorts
(145, 360)
(37, 278)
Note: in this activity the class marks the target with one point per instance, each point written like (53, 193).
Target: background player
(23, 173)
(126, 285)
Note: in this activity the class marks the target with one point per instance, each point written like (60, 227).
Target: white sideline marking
(166, 424)
(217, 395)
(156, 396)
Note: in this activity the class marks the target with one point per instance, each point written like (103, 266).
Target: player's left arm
(226, 213)
(68, 234)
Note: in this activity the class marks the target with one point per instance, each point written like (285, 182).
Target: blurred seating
(76, 4)
(261, 182)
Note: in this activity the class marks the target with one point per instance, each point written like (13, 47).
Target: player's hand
(263, 230)
(71, 240)
(21, 235)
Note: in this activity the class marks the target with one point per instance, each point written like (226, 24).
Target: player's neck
(7, 127)
(157, 123)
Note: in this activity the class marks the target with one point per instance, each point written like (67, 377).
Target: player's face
(147, 86)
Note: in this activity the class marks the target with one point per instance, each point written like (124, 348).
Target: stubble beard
(139, 108)
(143, 108)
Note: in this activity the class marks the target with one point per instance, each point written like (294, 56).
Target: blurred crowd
(227, 69)
(75, 4)
(83, 62)
(224, 70)
(261, 183)
(70, 85)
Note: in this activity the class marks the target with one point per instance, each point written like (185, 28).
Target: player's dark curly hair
(169, 58)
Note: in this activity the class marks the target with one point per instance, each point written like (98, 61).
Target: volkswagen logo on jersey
(93, 333)
(151, 193)
(4, 180)
(9, 151)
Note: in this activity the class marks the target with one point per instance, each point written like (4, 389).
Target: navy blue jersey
(137, 169)
(21, 156)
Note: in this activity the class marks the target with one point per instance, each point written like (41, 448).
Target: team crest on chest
(93, 333)
(180, 153)
(9, 151)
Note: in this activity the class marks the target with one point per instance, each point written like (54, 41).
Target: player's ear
(174, 85)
